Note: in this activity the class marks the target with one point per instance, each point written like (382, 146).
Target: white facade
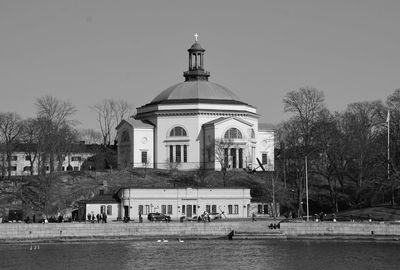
(21, 164)
(233, 203)
(185, 123)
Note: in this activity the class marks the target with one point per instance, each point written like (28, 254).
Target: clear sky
(84, 51)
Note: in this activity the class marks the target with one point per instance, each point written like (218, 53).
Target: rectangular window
(28, 157)
(109, 210)
(76, 158)
(260, 209)
(76, 168)
(144, 157)
(140, 209)
(236, 209)
(102, 209)
(163, 209)
(27, 168)
(230, 209)
(14, 158)
(214, 208)
(147, 209)
(183, 210)
(194, 209)
(208, 208)
(169, 210)
(264, 158)
(171, 153)
(185, 153)
(265, 208)
(63, 168)
(13, 168)
(178, 153)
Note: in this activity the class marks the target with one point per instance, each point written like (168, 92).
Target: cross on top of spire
(196, 36)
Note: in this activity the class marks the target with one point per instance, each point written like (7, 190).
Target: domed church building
(196, 124)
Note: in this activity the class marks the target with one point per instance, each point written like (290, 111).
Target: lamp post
(306, 165)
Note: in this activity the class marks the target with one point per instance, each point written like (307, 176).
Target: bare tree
(90, 136)
(54, 118)
(105, 118)
(201, 172)
(58, 112)
(30, 137)
(221, 149)
(307, 104)
(10, 129)
(122, 110)
(109, 113)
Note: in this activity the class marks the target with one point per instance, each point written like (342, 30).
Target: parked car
(158, 217)
(215, 215)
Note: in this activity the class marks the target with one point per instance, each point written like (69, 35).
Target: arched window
(233, 133)
(178, 132)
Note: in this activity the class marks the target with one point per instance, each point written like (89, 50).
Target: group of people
(204, 217)
(99, 218)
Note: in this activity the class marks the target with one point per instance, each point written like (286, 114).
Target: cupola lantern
(196, 63)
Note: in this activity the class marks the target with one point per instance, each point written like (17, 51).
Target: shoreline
(20, 233)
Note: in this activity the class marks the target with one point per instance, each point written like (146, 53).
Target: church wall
(209, 155)
(163, 141)
(244, 143)
(143, 141)
(125, 147)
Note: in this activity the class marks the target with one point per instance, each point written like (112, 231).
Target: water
(203, 254)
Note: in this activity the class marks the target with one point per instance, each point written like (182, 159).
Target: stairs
(273, 234)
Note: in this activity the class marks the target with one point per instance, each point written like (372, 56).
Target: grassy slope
(70, 187)
(67, 188)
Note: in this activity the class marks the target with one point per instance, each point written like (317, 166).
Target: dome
(196, 47)
(196, 91)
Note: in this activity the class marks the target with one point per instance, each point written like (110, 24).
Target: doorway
(126, 211)
(189, 210)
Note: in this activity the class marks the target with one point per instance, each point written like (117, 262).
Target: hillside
(61, 191)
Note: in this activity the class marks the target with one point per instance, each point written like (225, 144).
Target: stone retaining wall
(22, 231)
(295, 229)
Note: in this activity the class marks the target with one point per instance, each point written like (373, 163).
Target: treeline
(345, 153)
(45, 138)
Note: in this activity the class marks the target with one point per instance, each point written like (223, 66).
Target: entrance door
(126, 211)
(188, 210)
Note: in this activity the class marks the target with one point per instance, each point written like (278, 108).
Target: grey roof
(266, 127)
(134, 123)
(103, 198)
(139, 124)
(190, 90)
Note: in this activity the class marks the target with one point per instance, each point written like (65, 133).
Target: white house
(187, 124)
(22, 160)
(187, 202)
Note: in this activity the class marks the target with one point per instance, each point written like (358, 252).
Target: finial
(196, 36)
